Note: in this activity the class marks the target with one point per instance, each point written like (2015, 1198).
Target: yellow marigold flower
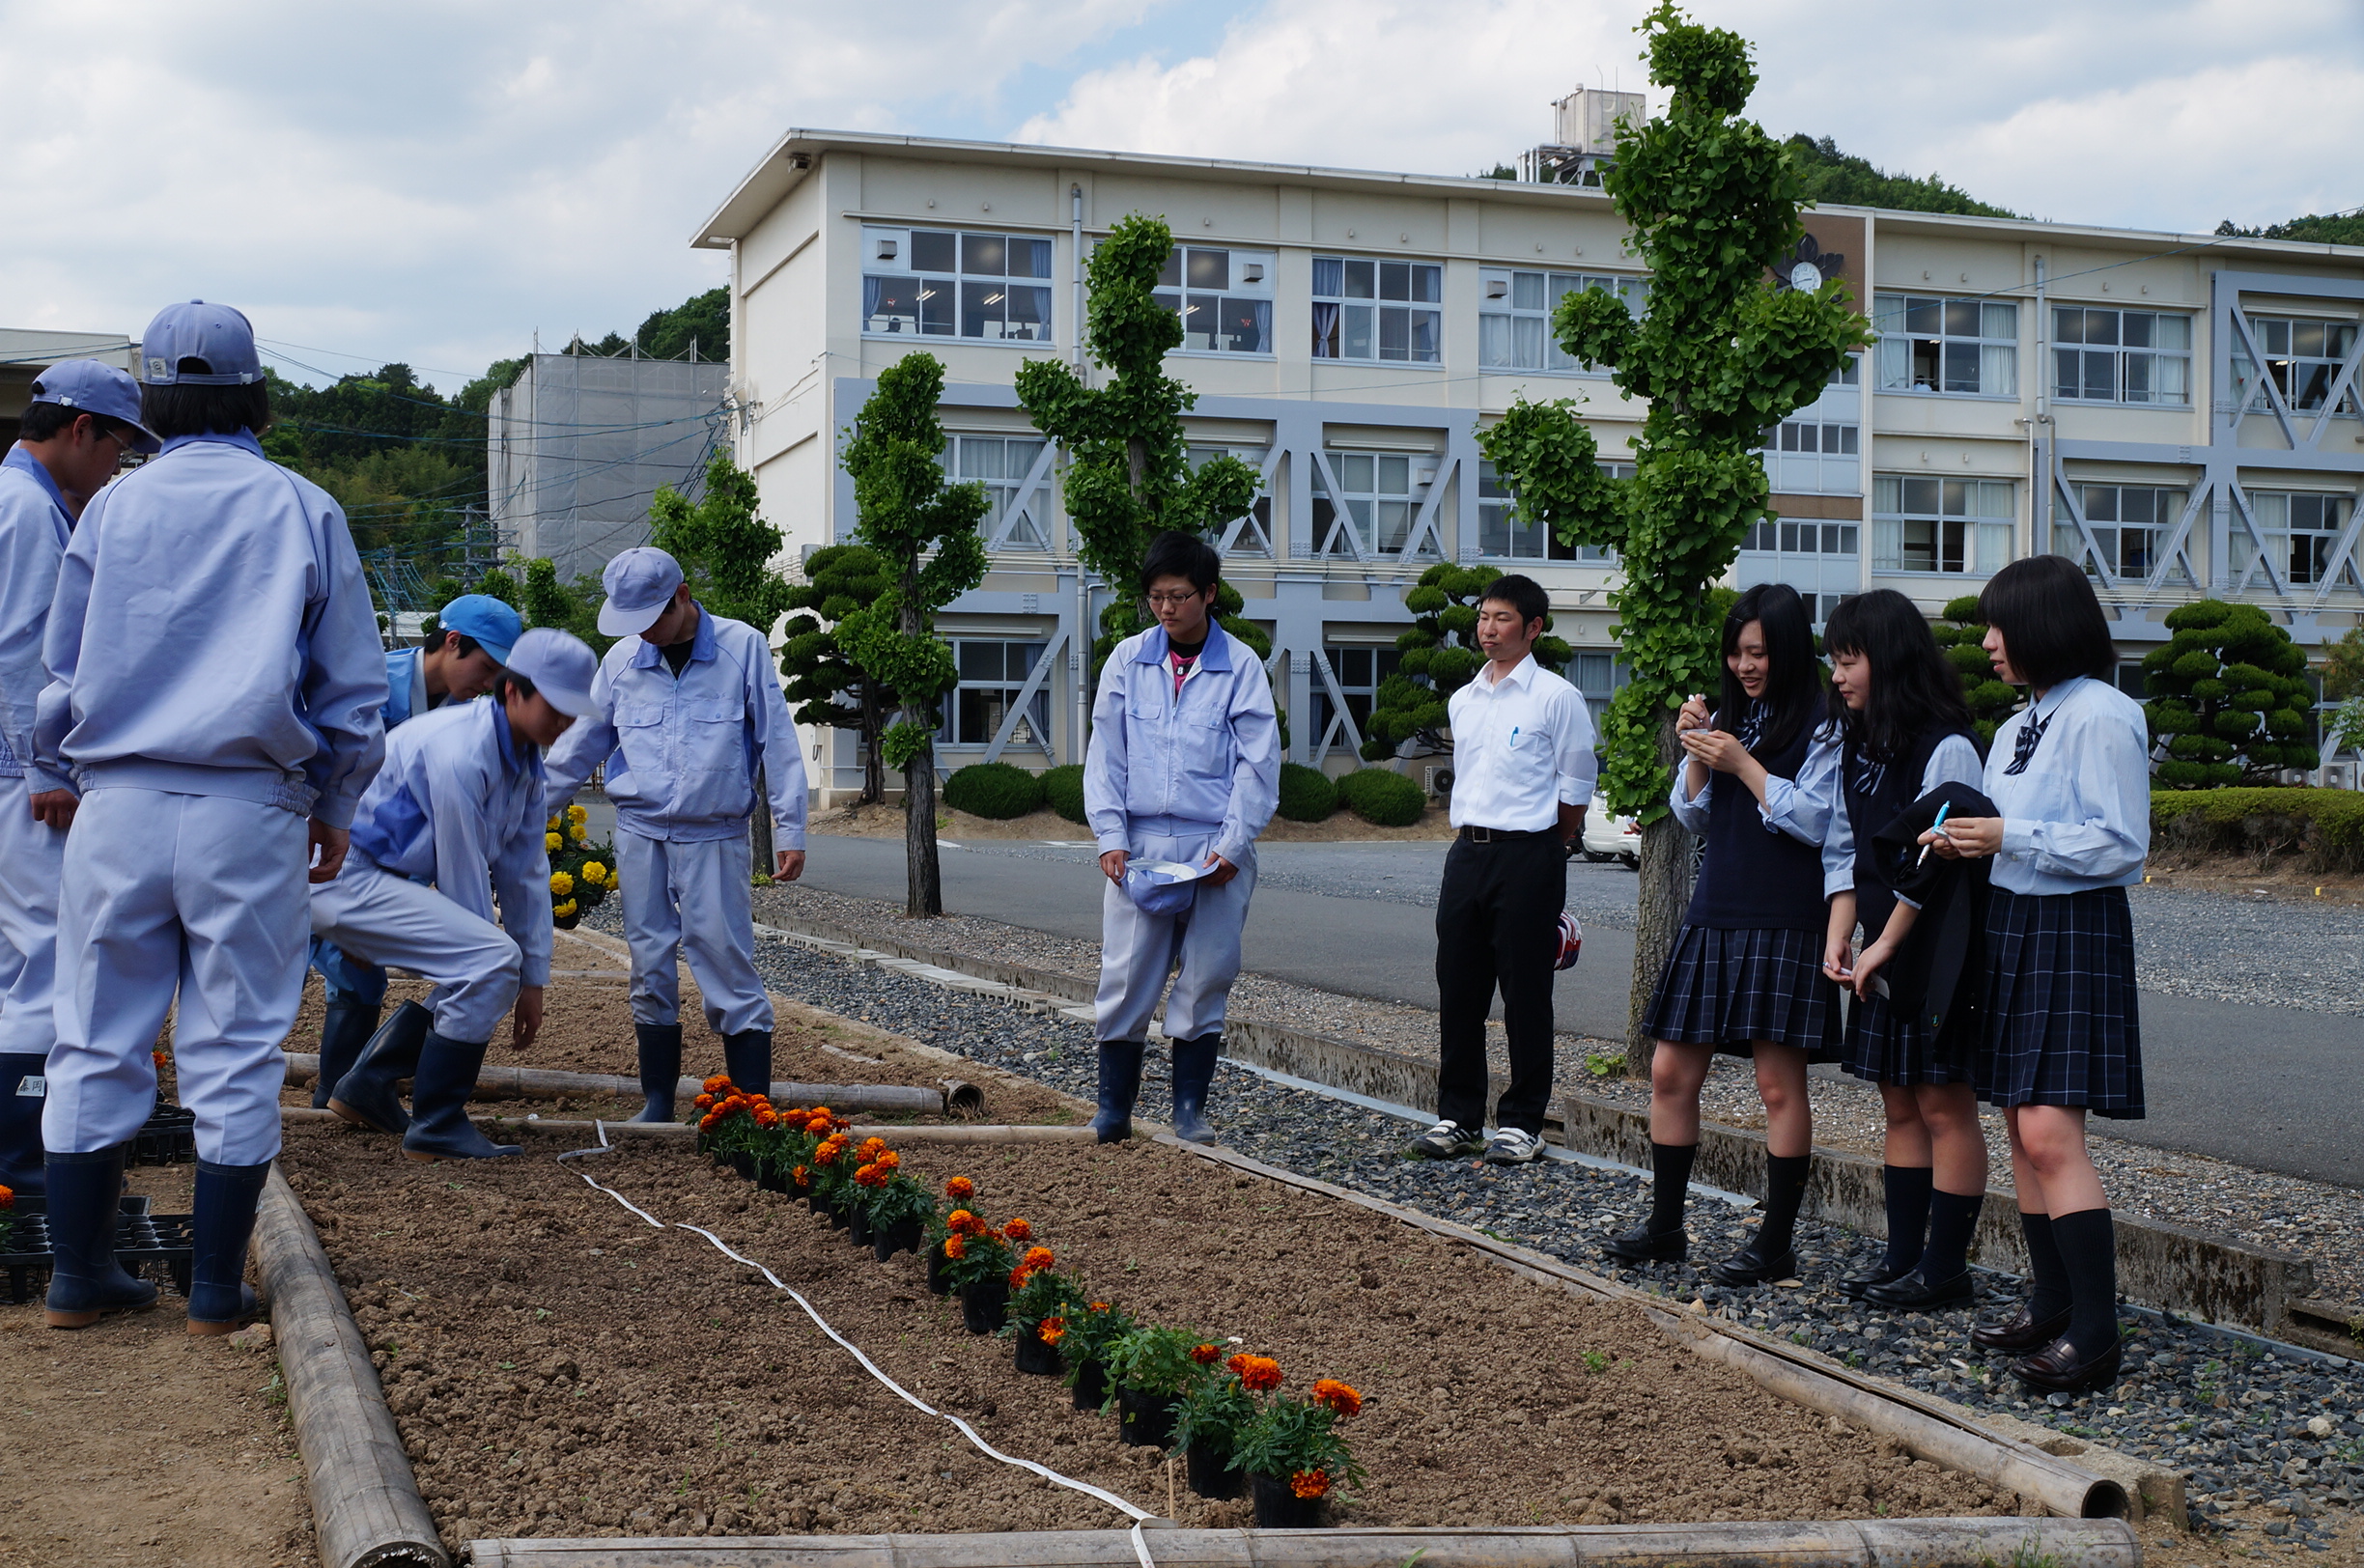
(552, 843)
(551, 825)
(594, 873)
(577, 813)
(562, 910)
(561, 884)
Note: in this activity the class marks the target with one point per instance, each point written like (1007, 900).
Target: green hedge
(2327, 827)
(1063, 789)
(1307, 793)
(993, 789)
(1381, 796)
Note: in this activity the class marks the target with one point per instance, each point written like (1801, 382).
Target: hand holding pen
(1945, 809)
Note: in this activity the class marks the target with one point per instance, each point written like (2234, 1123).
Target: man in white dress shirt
(1523, 772)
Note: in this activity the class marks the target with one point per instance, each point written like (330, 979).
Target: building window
(2129, 522)
(1359, 672)
(1501, 537)
(1803, 536)
(1815, 450)
(992, 674)
(2302, 533)
(1958, 346)
(1385, 311)
(937, 283)
(1940, 524)
(2303, 358)
(1224, 298)
(1254, 537)
(1379, 495)
(2120, 356)
(1598, 677)
(2130, 679)
(1001, 464)
(1514, 330)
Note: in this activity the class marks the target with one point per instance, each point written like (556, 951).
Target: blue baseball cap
(640, 584)
(95, 388)
(494, 624)
(217, 336)
(1161, 886)
(559, 664)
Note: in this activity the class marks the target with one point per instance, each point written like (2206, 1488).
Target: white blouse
(2075, 797)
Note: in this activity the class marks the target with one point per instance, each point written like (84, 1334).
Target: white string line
(1140, 1546)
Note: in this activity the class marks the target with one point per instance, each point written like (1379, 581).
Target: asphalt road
(2277, 1089)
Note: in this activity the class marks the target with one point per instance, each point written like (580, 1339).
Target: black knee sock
(1784, 1190)
(1952, 1221)
(1908, 1211)
(1671, 1167)
(2047, 1275)
(2088, 1250)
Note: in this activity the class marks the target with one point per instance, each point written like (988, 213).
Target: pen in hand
(1937, 827)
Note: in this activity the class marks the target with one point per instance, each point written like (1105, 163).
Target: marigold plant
(1337, 1397)
(960, 1187)
(1310, 1484)
(1018, 1231)
(1206, 1355)
(1257, 1374)
(1050, 1331)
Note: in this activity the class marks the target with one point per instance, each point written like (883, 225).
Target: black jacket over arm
(1934, 976)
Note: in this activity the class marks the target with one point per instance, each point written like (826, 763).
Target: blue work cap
(217, 336)
(640, 584)
(95, 388)
(559, 664)
(494, 624)
(1161, 886)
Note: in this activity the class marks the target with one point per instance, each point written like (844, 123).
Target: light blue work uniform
(681, 754)
(214, 677)
(352, 982)
(1178, 776)
(459, 805)
(35, 529)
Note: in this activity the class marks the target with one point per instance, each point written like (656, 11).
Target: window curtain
(1493, 342)
(1994, 546)
(1887, 544)
(1261, 311)
(1329, 276)
(1998, 370)
(1895, 362)
(872, 287)
(1325, 326)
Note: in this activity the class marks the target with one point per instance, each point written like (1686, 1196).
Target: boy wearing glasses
(1184, 768)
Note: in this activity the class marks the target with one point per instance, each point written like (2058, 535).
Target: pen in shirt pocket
(1514, 737)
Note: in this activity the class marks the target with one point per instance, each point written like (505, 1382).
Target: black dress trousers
(1497, 925)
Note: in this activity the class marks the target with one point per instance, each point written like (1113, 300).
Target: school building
(2180, 412)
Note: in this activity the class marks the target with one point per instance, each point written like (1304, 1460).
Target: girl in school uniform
(1745, 977)
(1905, 731)
(2070, 777)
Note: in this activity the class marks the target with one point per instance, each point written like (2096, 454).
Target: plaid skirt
(2061, 1023)
(1728, 989)
(1886, 1047)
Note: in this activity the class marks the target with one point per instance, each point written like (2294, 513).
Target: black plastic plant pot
(744, 1164)
(1279, 1508)
(1148, 1419)
(1210, 1471)
(1036, 1359)
(771, 1178)
(903, 1238)
(858, 1228)
(936, 1280)
(1090, 1385)
(985, 1305)
(841, 1212)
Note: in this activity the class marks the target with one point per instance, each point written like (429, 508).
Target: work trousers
(349, 981)
(32, 868)
(389, 922)
(1138, 951)
(696, 900)
(1497, 925)
(163, 894)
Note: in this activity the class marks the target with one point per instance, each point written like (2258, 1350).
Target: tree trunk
(1663, 894)
(923, 876)
(761, 826)
(874, 762)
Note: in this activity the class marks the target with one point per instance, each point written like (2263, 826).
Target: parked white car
(1607, 836)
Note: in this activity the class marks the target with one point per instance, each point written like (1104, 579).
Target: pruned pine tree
(828, 687)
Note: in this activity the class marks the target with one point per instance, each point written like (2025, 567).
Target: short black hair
(1174, 553)
(507, 681)
(432, 640)
(2053, 628)
(42, 421)
(1914, 689)
(1522, 594)
(197, 410)
(1793, 691)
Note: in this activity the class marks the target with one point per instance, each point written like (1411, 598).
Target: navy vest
(1756, 878)
(1876, 795)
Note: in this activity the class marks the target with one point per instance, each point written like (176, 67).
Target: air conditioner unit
(1252, 272)
(1437, 779)
(1498, 287)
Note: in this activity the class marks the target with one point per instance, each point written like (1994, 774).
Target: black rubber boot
(747, 1056)
(345, 1033)
(85, 1280)
(222, 1223)
(22, 1170)
(365, 1097)
(1120, 1076)
(660, 1047)
(1194, 1074)
(439, 1125)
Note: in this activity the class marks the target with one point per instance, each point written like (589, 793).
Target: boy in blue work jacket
(84, 416)
(1184, 766)
(455, 663)
(454, 820)
(686, 707)
(204, 773)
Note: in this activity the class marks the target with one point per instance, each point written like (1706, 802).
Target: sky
(438, 183)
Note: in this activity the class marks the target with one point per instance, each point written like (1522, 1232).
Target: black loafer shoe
(2056, 1369)
(1646, 1245)
(1912, 1292)
(2022, 1334)
(1853, 1286)
(1751, 1267)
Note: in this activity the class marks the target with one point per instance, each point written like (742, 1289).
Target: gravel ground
(2271, 1438)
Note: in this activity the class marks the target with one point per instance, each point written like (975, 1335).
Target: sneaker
(1515, 1146)
(1447, 1140)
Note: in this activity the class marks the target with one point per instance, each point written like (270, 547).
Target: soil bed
(560, 1368)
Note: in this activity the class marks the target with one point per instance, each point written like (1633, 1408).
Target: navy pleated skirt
(1888, 1047)
(2062, 1027)
(1728, 989)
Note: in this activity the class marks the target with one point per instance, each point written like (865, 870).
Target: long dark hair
(1914, 689)
(1793, 677)
(2051, 622)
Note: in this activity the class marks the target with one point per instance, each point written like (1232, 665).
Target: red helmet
(1571, 941)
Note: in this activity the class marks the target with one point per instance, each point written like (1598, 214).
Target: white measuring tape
(1140, 1545)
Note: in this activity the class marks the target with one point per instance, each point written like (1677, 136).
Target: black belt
(1503, 836)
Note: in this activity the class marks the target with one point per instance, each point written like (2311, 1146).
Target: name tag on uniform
(33, 1087)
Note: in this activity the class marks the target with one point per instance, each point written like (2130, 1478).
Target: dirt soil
(1046, 825)
(133, 1444)
(558, 1368)
(2244, 876)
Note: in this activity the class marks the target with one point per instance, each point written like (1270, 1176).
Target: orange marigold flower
(1237, 1364)
(1338, 1396)
(716, 1083)
(158, 1057)
(816, 1126)
(1050, 1331)
(7, 1197)
(1259, 1374)
(704, 1101)
(872, 1148)
(1037, 1257)
(766, 1116)
(706, 1123)
(1310, 1484)
(839, 1123)
(889, 1161)
(960, 1186)
(1204, 1355)
(1020, 1275)
(801, 1175)
(961, 1222)
(1018, 1230)
(1098, 1306)
(956, 1246)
